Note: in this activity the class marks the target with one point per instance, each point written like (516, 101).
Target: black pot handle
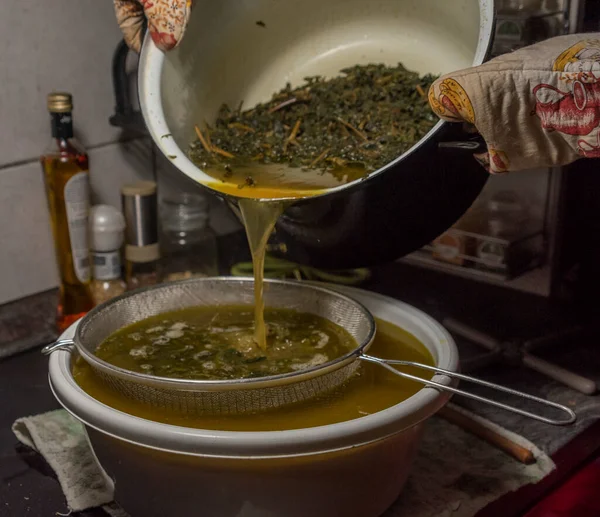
(474, 145)
(123, 106)
(125, 116)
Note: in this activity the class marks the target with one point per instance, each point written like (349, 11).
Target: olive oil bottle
(66, 175)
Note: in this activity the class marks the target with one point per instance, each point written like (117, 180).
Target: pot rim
(150, 67)
(261, 444)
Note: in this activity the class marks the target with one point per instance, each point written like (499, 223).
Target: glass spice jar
(506, 217)
(189, 244)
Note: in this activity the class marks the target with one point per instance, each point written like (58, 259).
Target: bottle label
(77, 204)
(62, 125)
(107, 265)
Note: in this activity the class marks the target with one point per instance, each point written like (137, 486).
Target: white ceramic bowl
(351, 469)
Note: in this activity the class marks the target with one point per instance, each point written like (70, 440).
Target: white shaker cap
(107, 225)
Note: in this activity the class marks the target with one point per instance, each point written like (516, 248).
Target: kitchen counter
(27, 487)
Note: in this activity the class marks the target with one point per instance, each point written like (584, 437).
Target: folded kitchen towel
(62, 441)
(455, 473)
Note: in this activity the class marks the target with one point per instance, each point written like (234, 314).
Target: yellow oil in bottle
(66, 175)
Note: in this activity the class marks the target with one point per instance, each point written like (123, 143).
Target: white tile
(113, 165)
(27, 263)
(54, 45)
(171, 180)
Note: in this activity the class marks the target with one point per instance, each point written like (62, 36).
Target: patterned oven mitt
(167, 21)
(536, 107)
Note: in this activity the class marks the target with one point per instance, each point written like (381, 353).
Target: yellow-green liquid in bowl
(218, 343)
(370, 390)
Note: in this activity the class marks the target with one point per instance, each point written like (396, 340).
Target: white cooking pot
(227, 57)
(350, 469)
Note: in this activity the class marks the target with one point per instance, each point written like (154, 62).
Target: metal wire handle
(61, 344)
(386, 363)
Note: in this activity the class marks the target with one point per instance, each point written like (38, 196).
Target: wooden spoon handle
(489, 435)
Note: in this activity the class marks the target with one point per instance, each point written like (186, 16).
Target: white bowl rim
(261, 444)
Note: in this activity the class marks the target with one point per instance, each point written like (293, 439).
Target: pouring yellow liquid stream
(272, 190)
(259, 220)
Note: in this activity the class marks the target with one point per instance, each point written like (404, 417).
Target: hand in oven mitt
(536, 107)
(167, 21)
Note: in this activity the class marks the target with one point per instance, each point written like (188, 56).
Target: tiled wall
(46, 46)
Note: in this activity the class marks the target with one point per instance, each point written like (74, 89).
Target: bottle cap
(106, 228)
(60, 102)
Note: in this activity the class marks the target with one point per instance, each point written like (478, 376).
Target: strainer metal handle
(386, 363)
(61, 344)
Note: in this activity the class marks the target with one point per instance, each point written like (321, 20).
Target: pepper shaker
(142, 251)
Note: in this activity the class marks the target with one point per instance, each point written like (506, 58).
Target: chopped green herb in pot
(364, 118)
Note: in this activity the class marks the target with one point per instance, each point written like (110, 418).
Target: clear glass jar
(507, 218)
(507, 213)
(189, 244)
(520, 5)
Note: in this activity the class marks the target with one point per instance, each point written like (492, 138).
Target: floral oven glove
(536, 107)
(167, 20)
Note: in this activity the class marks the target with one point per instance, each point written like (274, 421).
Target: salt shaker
(106, 238)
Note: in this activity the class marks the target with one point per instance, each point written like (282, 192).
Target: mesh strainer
(202, 397)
